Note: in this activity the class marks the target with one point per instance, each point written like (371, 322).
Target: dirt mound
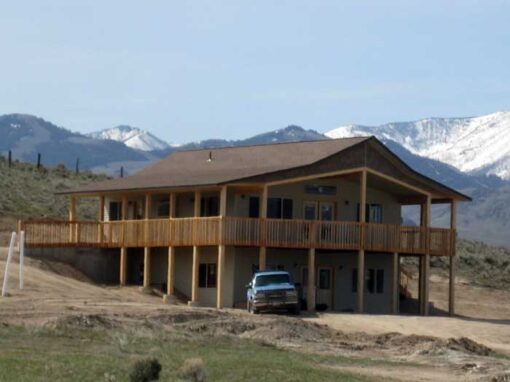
(500, 378)
(186, 316)
(466, 345)
(91, 321)
(290, 330)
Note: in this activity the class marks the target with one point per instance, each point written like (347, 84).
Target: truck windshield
(271, 280)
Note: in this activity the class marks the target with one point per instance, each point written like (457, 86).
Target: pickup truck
(272, 290)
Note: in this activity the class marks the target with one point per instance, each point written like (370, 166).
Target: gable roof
(193, 168)
(209, 167)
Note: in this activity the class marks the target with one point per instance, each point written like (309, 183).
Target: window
(310, 210)
(210, 206)
(325, 279)
(370, 281)
(207, 276)
(374, 280)
(254, 207)
(373, 213)
(380, 281)
(164, 209)
(319, 189)
(326, 211)
(114, 212)
(279, 208)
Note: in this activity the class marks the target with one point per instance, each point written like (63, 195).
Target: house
(199, 223)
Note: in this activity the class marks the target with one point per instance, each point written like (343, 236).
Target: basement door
(325, 286)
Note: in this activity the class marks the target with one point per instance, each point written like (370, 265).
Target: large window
(380, 281)
(163, 209)
(319, 189)
(210, 206)
(207, 276)
(254, 207)
(374, 281)
(279, 208)
(373, 213)
(114, 212)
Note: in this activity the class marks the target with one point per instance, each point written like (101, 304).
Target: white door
(325, 286)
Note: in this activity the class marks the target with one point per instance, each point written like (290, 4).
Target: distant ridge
(476, 145)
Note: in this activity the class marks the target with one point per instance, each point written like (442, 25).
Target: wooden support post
(395, 295)
(361, 281)
(310, 289)
(171, 272)
(263, 228)
(72, 217)
(361, 252)
(170, 275)
(196, 256)
(147, 248)
(420, 284)
(194, 276)
(453, 258)
(197, 204)
(147, 214)
(426, 259)
(146, 269)
(124, 216)
(123, 266)
(221, 277)
(100, 231)
(221, 250)
(172, 205)
(262, 258)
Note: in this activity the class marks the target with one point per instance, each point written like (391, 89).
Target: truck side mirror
(248, 286)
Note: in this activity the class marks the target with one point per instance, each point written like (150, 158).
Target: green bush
(145, 370)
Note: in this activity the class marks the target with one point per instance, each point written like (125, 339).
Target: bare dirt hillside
(474, 346)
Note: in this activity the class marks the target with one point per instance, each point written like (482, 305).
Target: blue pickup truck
(272, 290)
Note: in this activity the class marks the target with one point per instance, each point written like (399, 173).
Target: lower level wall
(340, 266)
(100, 265)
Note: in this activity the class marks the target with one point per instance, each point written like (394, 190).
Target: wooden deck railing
(240, 231)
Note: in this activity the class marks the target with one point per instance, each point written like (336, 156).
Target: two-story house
(199, 223)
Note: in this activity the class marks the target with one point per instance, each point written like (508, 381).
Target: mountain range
(431, 146)
(476, 145)
(133, 137)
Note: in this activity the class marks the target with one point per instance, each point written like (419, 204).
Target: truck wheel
(295, 310)
(251, 308)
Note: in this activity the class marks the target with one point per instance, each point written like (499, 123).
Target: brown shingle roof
(192, 168)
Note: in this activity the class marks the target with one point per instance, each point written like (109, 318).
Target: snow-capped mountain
(132, 137)
(478, 145)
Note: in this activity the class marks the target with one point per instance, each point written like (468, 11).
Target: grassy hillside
(483, 264)
(27, 192)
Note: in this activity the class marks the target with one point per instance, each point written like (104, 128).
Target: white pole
(21, 257)
(9, 257)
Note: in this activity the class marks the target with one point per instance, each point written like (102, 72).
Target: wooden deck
(239, 231)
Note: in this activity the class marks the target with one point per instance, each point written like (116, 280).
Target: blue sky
(192, 70)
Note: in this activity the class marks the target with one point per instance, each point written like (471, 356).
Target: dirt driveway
(424, 347)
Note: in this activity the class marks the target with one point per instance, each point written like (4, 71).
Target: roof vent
(210, 157)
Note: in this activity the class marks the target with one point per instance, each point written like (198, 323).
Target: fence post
(21, 241)
(9, 258)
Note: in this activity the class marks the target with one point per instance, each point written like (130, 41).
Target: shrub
(194, 370)
(145, 370)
